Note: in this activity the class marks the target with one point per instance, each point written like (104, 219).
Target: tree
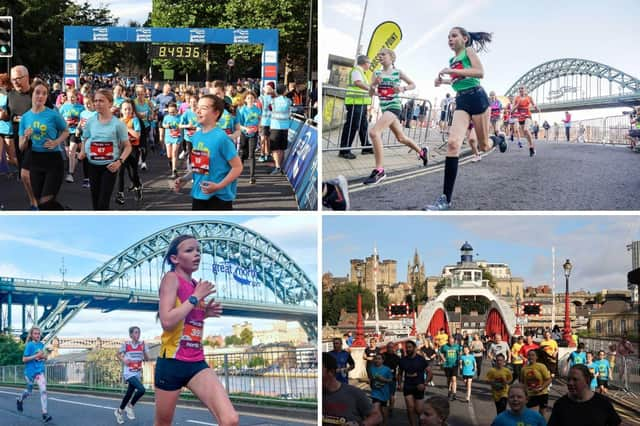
(246, 336)
(441, 284)
(232, 340)
(487, 275)
(106, 365)
(344, 297)
(257, 361)
(10, 350)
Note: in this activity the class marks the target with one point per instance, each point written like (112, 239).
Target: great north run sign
(243, 276)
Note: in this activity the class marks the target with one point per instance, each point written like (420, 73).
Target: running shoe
(476, 158)
(453, 396)
(519, 143)
(182, 155)
(424, 156)
(440, 204)
(85, 183)
(261, 159)
(276, 171)
(69, 178)
(19, 405)
(129, 410)
(120, 198)
(338, 198)
(367, 151)
(118, 414)
(502, 144)
(46, 418)
(532, 152)
(252, 181)
(138, 193)
(173, 175)
(34, 208)
(143, 166)
(375, 177)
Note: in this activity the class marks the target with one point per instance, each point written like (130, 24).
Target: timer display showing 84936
(177, 51)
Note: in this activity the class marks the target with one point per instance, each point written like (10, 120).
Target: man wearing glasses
(19, 102)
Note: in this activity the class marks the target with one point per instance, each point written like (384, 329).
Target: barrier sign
(301, 166)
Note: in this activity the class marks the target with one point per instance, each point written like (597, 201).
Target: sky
(34, 246)
(596, 245)
(525, 34)
(125, 10)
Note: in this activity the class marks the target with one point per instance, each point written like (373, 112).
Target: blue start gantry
(74, 35)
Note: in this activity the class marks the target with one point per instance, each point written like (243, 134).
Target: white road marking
(202, 423)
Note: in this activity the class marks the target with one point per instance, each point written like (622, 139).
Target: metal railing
(286, 375)
(604, 130)
(334, 117)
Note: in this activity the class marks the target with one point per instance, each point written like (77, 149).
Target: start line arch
(74, 35)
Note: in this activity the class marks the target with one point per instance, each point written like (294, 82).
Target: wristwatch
(193, 300)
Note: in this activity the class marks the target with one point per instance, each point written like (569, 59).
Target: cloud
(57, 247)
(334, 237)
(349, 10)
(125, 10)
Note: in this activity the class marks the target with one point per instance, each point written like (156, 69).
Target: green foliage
(10, 350)
(486, 275)
(232, 340)
(383, 299)
(246, 336)
(107, 366)
(441, 285)
(468, 304)
(257, 361)
(344, 297)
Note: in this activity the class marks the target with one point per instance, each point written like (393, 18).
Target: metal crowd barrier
(290, 374)
(334, 115)
(605, 130)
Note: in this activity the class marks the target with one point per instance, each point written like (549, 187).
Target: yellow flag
(387, 34)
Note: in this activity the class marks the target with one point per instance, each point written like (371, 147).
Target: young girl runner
(249, 118)
(189, 123)
(468, 367)
(88, 112)
(172, 137)
(132, 353)
(436, 412)
(215, 165)
(386, 84)
(522, 108)
(134, 129)
(518, 413)
(71, 111)
(182, 311)
(34, 357)
(472, 104)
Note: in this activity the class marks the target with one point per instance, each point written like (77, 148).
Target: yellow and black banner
(387, 34)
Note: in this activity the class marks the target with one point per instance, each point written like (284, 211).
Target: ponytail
(477, 40)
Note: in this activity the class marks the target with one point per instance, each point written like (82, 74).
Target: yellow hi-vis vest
(356, 95)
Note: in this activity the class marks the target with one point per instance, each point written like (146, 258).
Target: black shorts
(443, 115)
(604, 383)
(634, 133)
(213, 203)
(538, 401)
(172, 374)
(465, 377)
(451, 371)
(26, 159)
(382, 403)
(75, 139)
(279, 139)
(46, 173)
(395, 112)
(264, 131)
(413, 391)
(473, 101)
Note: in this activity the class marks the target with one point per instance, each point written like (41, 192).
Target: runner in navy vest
(132, 353)
(412, 374)
(344, 360)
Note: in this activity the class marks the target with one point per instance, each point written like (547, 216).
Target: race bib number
(72, 121)
(133, 140)
(135, 365)
(386, 93)
(191, 132)
(101, 151)
(174, 133)
(192, 333)
(497, 386)
(252, 130)
(228, 131)
(200, 162)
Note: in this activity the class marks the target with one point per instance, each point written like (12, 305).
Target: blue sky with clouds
(32, 246)
(596, 245)
(526, 34)
(125, 10)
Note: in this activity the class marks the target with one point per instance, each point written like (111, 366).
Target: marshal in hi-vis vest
(356, 95)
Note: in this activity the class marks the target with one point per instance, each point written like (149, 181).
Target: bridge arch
(550, 70)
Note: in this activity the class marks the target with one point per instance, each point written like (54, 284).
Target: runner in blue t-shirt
(249, 119)
(279, 131)
(578, 357)
(47, 131)
(603, 372)
(172, 137)
(381, 376)
(71, 111)
(468, 366)
(266, 100)
(450, 356)
(34, 357)
(189, 124)
(518, 414)
(592, 365)
(88, 112)
(215, 165)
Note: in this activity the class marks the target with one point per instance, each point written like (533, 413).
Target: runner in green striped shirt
(387, 86)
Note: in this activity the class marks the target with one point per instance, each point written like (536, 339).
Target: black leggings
(102, 183)
(134, 385)
(213, 203)
(46, 173)
(248, 152)
(131, 165)
(144, 142)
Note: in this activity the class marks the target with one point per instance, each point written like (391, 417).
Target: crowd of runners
(99, 132)
(522, 373)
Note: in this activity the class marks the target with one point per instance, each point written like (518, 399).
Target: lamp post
(518, 331)
(359, 341)
(566, 335)
(413, 328)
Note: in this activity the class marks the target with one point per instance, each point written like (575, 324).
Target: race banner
(387, 34)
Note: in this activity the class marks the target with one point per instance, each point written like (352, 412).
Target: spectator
(567, 124)
(345, 362)
(535, 129)
(546, 128)
(356, 101)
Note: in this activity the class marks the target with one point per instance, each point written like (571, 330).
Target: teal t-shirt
(227, 122)
(468, 365)
(577, 358)
(451, 354)
(189, 117)
(85, 115)
(47, 124)
(267, 101)
(209, 160)
(5, 126)
(280, 112)
(250, 118)
(33, 367)
(603, 368)
(144, 111)
(528, 417)
(172, 134)
(102, 140)
(381, 390)
(71, 114)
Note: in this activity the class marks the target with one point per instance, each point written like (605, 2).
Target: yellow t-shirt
(515, 353)
(549, 346)
(499, 379)
(442, 339)
(533, 376)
